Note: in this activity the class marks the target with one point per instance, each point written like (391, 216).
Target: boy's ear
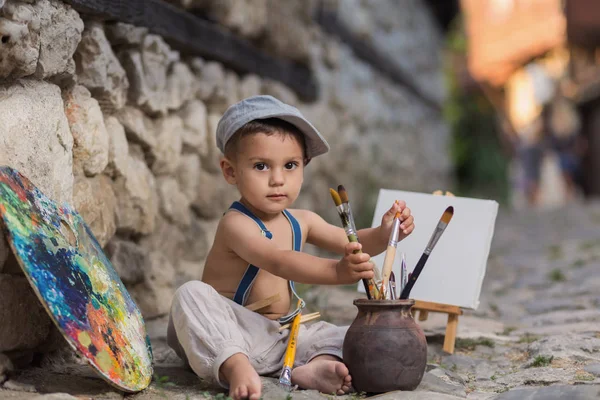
(228, 170)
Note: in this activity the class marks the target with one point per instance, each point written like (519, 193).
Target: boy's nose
(276, 178)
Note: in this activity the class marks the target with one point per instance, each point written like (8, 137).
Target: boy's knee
(194, 290)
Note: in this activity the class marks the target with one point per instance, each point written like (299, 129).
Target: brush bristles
(336, 197)
(448, 214)
(343, 193)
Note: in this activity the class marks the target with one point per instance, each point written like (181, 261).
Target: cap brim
(315, 143)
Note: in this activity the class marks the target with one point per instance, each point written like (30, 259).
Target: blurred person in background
(562, 125)
(531, 153)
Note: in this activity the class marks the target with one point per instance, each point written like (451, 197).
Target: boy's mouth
(277, 196)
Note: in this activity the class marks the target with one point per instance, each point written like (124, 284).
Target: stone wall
(110, 118)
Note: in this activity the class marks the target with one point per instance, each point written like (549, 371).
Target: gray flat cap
(262, 107)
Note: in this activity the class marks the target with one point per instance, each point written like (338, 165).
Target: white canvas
(455, 269)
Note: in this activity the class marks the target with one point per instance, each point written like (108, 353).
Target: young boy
(256, 254)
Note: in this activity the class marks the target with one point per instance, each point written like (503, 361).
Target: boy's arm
(244, 239)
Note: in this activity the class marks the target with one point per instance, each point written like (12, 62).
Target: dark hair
(268, 126)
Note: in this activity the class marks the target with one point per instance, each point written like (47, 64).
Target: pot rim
(383, 303)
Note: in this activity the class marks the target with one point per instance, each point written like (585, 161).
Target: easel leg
(450, 338)
(423, 315)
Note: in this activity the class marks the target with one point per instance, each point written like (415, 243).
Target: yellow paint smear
(84, 339)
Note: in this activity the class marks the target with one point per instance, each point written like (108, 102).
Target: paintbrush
(305, 318)
(285, 379)
(403, 273)
(344, 212)
(392, 286)
(439, 229)
(373, 290)
(390, 253)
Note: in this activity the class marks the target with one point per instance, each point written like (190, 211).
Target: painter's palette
(76, 283)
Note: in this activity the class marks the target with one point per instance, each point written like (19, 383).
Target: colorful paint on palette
(76, 283)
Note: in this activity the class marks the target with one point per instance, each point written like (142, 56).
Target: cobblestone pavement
(536, 334)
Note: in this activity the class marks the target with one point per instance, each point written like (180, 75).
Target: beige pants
(205, 329)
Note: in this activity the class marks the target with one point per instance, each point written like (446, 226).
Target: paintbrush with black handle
(439, 229)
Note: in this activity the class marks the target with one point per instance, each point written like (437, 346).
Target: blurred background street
(113, 108)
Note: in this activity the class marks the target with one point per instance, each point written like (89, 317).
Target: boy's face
(268, 171)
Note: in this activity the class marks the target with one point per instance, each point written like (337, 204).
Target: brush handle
(366, 282)
(413, 278)
(388, 262)
(370, 286)
(290, 352)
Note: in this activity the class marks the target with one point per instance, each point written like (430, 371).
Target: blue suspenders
(243, 289)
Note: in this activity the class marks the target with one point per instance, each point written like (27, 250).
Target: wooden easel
(425, 307)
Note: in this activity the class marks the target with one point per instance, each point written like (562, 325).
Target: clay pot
(384, 348)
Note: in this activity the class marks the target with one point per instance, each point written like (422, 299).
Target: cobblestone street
(536, 334)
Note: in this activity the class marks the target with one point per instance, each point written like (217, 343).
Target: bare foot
(244, 382)
(324, 373)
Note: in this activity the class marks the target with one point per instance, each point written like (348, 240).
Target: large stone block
(38, 38)
(174, 205)
(90, 150)
(147, 68)
(128, 259)
(118, 148)
(250, 85)
(286, 34)
(95, 200)
(210, 76)
(137, 205)
(214, 195)
(198, 239)
(211, 160)
(188, 175)
(36, 139)
(138, 127)
(165, 153)
(120, 33)
(153, 296)
(167, 238)
(181, 85)
(20, 44)
(99, 70)
(195, 124)
(60, 33)
(25, 324)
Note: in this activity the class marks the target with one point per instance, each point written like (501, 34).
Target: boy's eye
(291, 165)
(260, 166)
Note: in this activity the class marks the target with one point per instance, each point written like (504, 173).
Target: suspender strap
(297, 241)
(243, 289)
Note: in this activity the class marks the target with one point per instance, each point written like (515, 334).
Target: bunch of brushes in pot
(383, 286)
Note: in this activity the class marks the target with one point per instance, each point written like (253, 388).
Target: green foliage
(556, 275)
(161, 383)
(480, 167)
(555, 252)
(541, 361)
(528, 338)
(589, 244)
(508, 330)
(584, 377)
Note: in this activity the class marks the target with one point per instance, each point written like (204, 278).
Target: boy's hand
(354, 267)
(407, 225)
